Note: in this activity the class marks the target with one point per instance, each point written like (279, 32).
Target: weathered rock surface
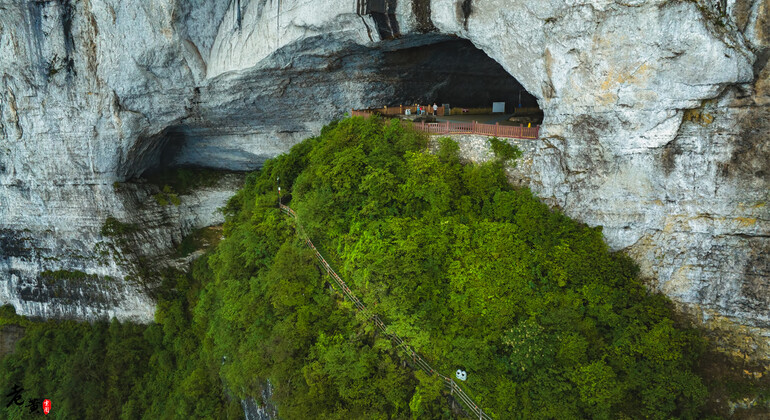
(263, 409)
(9, 335)
(656, 123)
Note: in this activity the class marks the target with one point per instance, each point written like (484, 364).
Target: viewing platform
(450, 127)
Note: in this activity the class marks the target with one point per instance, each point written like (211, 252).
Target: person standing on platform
(435, 109)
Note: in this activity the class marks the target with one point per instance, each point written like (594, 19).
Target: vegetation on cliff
(473, 273)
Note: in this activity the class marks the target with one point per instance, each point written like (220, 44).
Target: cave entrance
(236, 126)
(455, 72)
(188, 148)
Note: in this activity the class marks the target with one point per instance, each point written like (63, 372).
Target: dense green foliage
(117, 370)
(473, 273)
(8, 316)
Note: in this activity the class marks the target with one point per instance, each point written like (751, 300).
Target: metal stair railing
(454, 388)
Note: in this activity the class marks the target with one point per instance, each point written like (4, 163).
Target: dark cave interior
(454, 72)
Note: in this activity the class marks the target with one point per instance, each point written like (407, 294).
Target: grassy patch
(181, 181)
(167, 196)
(185, 180)
(74, 276)
(204, 238)
(504, 150)
(114, 227)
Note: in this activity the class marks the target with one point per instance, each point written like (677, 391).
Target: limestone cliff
(656, 125)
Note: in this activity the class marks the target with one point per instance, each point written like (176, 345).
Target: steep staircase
(418, 361)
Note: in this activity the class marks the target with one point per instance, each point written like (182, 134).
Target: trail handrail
(405, 348)
(448, 127)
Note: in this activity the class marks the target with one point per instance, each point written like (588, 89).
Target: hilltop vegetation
(473, 273)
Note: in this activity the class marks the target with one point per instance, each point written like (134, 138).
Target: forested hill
(472, 272)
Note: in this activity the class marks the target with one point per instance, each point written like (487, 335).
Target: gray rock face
(264, 409)
(656, 122)
(9, 335)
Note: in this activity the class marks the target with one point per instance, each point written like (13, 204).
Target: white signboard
(498, 106)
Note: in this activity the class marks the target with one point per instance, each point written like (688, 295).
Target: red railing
(418, 361)
(473, 127)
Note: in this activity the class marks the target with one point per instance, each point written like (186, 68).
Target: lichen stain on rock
(591, 157)
(679, 283)
(464, 10)
(638, 75)
(749, 344)
(741, 13)
(750, 156)
(762, 78)
(67, 15)
(421, 10)
(13, 243)
(668, 156)
(746, 221)
(92, 34)
(548, 90)
(13, 115)
(698, 116)
(384, 15)
(9, 335)
(762, 26)
(756, 277)
(590, 128)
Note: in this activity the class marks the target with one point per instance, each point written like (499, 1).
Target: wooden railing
(473, 127)
(418, 361)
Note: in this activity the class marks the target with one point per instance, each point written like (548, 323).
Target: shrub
(114, 227)
(160, 198)
(185, 180)
(503, 150)
(166, 196)
(74, 276)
